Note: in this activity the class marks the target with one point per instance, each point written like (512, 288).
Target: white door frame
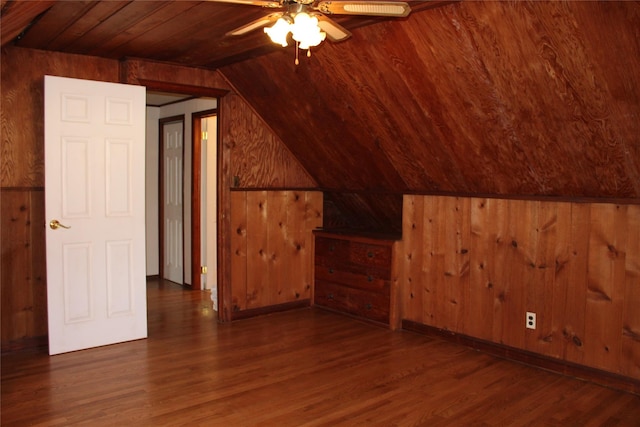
(197, 197)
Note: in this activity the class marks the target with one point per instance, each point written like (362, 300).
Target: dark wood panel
(356, 279)
(340, 256)
(24, 288)
(364, 211)
(362, 303)
(354, 273)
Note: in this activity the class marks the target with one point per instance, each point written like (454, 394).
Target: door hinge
(203, 269)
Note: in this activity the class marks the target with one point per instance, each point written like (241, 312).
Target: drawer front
(367, 282)
(354, 257)
(370, 255)
(328, 246)
(369, 305)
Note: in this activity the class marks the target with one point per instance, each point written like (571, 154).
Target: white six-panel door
(94, 184)
(173, 202)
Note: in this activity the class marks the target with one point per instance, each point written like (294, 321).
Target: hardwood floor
(303, 367)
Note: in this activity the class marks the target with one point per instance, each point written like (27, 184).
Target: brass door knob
(55, 224)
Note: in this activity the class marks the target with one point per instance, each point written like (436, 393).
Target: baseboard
(26, 344)
(562, 367)
(253, 312)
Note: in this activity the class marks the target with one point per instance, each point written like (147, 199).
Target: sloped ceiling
(496, 98)
(521, 98)
(507, 98)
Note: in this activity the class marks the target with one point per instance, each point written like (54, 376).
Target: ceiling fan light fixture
(279, 31)
(305, 30)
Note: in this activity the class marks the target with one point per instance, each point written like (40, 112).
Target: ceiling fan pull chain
(297, 49)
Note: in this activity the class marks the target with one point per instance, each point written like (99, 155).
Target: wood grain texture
(630, 357)
(16, 16)
(572, 264)
(241, 135)
(355, 274)
(272, 259)
(605, 284)
(22, 161)
(474, 98)
(491, 98)
(300, 368)
(570, 270)
(238, 242)
(24, 290)
(258, 272)
(22, 157)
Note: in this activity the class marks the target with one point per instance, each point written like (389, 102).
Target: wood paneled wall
(24, 301)
(272, 246)
(24, 310)
(475, 266)
(24, 288)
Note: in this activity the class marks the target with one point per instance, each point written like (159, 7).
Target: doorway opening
(184, 128)
(204, 202)
(199, 96)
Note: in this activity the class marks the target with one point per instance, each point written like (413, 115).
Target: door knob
(55, 224)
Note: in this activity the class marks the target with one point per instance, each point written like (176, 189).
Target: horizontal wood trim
(383, 324)
(183, 88)
(562, 198)
(21, 189)
(543, 362)
(25, 344)
(358, 236)
(247, 190)
(253, 312)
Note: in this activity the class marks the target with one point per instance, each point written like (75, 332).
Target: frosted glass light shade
(305, 30)
(279, 31)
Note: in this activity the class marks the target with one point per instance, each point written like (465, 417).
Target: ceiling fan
(308, 20)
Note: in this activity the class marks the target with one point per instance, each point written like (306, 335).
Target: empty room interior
(313, 212)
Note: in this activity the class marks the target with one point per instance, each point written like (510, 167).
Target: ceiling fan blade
(372, 8)
(263, 3)
(335, 32)
(254, 25)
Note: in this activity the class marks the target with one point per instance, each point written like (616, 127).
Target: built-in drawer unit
(354, 274)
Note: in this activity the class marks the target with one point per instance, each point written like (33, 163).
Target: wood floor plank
(306, 367)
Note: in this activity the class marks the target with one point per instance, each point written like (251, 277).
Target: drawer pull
(370, 254)
(368, 306)
(370, 278)
(331, 271)
(332, 248)
(330, 296)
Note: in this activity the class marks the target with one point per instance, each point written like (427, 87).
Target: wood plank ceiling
(472, 98)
